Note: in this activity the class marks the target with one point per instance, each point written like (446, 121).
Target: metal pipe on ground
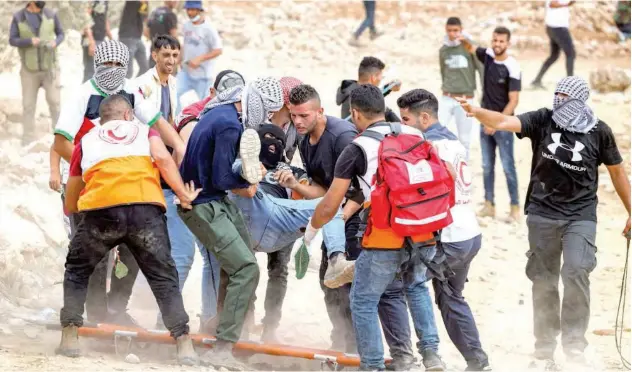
(105, 331)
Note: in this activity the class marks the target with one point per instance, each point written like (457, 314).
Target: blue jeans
(274, 222)
(183, 251)
(369, 20)
(505, 142)
(375, 271)
(186, 83)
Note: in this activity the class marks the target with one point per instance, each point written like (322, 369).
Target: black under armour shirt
(564, 167)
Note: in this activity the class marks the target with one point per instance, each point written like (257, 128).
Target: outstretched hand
(467, 107)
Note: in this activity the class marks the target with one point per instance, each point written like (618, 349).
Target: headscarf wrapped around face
(572, 113)
(110, 79)
(258, 99)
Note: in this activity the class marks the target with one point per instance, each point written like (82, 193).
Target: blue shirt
(211, 152)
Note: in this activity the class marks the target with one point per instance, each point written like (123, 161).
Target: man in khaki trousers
(37, 33)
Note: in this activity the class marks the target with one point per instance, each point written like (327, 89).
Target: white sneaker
(249, 149)
(339, 271)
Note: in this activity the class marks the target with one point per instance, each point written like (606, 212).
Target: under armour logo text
(556, 137)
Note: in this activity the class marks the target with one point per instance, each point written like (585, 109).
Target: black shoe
(432, 361)
(537, 85)
(402, 363)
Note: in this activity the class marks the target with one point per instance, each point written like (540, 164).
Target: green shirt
(458, 70)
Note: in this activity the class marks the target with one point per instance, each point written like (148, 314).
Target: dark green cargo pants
(220, 227)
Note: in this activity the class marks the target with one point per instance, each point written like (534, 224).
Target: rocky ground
(309, 40)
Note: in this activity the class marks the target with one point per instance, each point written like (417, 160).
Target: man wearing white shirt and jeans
(202, 45)
(557, 23)
(461, 241)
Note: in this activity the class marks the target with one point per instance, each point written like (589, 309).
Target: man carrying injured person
(227, 125)
(114, 191)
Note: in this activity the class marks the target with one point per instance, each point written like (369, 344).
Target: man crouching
(115, 190)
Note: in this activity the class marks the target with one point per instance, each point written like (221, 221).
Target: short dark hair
(502, 30)
(370, 66)
(303, 93)
(114, 107)
(164, 41)
(418, 100)
(453, 21)
(368, 99)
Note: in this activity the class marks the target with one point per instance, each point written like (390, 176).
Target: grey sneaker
(249, 149)
(432, 361)
(339, 271)
(221, 356)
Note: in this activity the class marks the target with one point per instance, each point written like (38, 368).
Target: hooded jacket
(344, 93)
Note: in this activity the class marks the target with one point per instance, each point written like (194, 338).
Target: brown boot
(186, 353)
(488, 210)
(514, 214)
(69, 345)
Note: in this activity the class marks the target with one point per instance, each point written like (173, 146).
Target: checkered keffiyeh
(287, 84)
(110, 79)
(258, 98)
(572, 113)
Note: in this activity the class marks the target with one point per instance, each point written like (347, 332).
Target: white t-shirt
(558, 17)
(464, 223)
(80, 113)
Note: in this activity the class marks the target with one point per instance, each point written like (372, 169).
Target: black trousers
(143, 229)
(99, 300)
(560, 39)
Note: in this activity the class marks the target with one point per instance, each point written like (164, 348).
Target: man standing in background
(37, 32)
(369, 22)
(557, 21)
(162, 21)
(130, 33)
(93, 36)
(370, 71)
(458, 77)
(202, 45)
(501, 88)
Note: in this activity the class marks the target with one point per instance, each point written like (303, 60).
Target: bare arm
(108, 30)
(63, 147)
(166, 165)
(54, 181)
(312, 191)
(185, 133)
(350, 209)
(510, 108)
(492, 119)
(210, 55)
(171, 138)
(621, 184)
(73, 190)
(328, 207)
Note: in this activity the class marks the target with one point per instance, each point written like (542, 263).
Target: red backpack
(412, 190)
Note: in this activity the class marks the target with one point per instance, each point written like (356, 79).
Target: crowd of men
(154, 180)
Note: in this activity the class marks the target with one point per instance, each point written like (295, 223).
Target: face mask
(110, 78)
(275, 139)
(40, 4)
(558, 101)
(197, 18)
